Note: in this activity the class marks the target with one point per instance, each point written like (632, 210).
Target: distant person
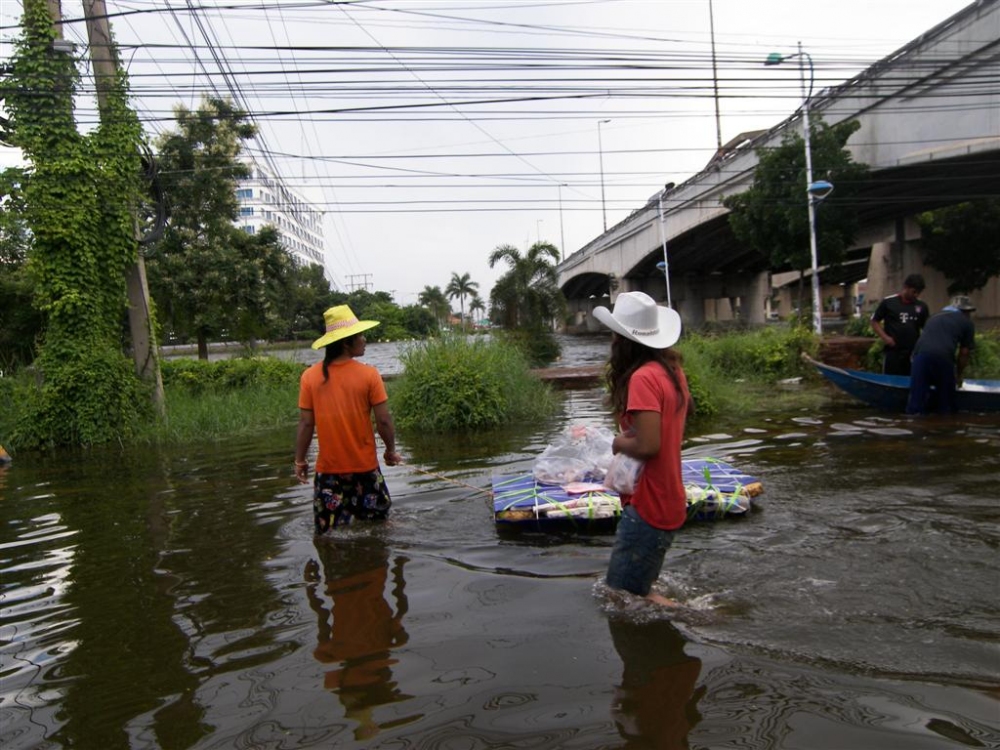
(935, 363)
(649, 396)
(898, 320)
(337, 398)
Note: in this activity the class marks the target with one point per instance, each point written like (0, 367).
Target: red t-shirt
(659, 497)
(342, 408)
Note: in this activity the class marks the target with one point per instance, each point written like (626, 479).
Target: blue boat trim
(890, 392)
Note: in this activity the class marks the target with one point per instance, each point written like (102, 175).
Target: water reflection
(357, 629)
(656, 705)
(155, 598)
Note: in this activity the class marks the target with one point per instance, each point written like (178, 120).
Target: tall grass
(457, 383)
(217, 415)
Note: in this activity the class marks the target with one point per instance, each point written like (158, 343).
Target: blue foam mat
(715, 489)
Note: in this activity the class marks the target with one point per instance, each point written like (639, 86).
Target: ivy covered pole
(78, 193)
(104, 58)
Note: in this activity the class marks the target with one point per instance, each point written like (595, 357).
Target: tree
(527, 296)
(434, 300)
(419, 322)
(461, 287)
(203, 261)
(476, 305)
(962, 243)
(309, 294)
(78, 194)
(772, 216)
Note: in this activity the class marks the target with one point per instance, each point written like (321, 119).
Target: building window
(246, 210)
(244, 193)
(249, 229)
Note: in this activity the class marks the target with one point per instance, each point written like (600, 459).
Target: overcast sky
(432, 132)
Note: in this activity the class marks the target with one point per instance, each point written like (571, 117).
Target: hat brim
(667, 331)
(343, 333)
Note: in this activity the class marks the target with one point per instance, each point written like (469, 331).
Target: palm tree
(460, 286)
(434, 300)
(476, 304)
(528, 295)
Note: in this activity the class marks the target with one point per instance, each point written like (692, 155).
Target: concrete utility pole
(103, 57)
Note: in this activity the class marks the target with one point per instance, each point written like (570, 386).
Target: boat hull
(890, 392)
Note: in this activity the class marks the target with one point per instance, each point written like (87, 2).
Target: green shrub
(90, 399)
(460, 383)
(984, 364)
(860, 326)
(769, 353)
(198, 376)
(540, 347)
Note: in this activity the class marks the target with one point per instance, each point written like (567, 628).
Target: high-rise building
(264, 200)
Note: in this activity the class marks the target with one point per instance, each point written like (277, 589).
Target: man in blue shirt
(934, 361)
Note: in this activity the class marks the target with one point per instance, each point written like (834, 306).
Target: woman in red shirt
(650, 398)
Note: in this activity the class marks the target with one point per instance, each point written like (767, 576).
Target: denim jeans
(638, 553)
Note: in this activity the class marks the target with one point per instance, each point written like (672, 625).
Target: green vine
(79, 193)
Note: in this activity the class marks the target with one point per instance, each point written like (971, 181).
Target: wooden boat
(715, 490)
(890, 392)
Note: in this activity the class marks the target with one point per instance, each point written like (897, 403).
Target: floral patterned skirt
(339, 498)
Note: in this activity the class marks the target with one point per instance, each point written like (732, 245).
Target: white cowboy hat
(341, 322)
(639, 318)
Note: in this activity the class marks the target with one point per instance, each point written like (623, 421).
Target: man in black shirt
(898, 321)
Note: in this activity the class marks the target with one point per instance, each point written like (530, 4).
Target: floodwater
(177, 599)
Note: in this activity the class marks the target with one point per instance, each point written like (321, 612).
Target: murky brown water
(178, 600)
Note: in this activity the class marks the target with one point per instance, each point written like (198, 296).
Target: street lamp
(562, 235)
(600, 156)
(664, 265)
(815, 192)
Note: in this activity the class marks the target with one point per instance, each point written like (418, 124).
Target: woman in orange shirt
(337, 398)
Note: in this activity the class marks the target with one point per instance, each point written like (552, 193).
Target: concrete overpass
(930, 132)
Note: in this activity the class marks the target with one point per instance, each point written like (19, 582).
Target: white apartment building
(266, 200)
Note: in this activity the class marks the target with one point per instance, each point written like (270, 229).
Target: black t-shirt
(901, 320)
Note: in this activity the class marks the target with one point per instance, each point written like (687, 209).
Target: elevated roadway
(930, 133)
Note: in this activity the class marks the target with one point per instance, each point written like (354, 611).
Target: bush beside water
(727, 371)
(456, 383)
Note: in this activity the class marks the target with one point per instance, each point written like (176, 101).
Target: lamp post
(562, 235)
(815, 192)
(664, 265)
(600, 156)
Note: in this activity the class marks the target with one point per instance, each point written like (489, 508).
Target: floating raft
(714, 488)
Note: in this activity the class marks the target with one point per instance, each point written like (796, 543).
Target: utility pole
(103, 57)
(353, 285)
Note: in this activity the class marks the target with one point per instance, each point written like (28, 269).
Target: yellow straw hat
(341, 323)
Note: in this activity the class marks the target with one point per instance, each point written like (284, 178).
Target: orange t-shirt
(342, 408)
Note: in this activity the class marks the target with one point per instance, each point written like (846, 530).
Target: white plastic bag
(623, 474)
(582, 453)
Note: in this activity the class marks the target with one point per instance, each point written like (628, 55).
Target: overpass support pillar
(754, 304)
(689, 301)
